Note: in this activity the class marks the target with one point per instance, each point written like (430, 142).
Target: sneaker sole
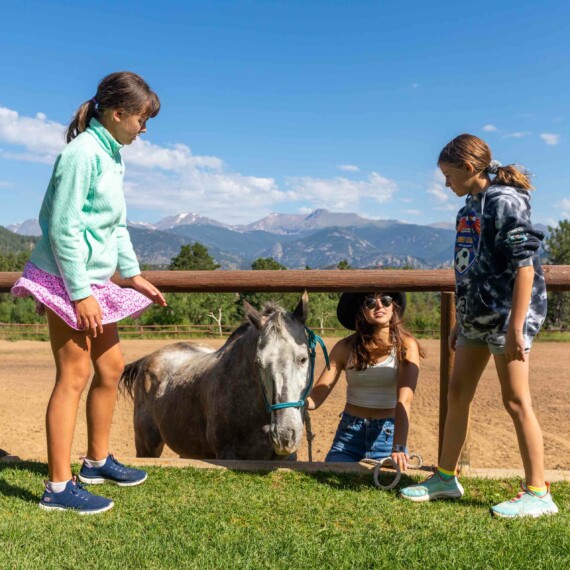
(45, 507)
(433, 497)
(101, 480)
(525, 515)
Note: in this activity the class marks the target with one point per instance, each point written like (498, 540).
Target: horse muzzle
(286, 430)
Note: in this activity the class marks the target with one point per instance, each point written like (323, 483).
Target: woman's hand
(400, 459)
(515, 346)
(89, 316)
(146, 288)
(453, 337)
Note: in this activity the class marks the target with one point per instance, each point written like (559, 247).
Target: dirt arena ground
(27, 371)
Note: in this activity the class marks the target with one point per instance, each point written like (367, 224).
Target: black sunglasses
(370, 301)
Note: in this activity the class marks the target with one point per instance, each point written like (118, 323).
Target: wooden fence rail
(557, 279)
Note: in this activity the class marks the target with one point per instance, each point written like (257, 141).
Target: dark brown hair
(365, 342)
(472, 149)
(120, 90)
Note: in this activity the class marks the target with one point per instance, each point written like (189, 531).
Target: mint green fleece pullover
(83, 216)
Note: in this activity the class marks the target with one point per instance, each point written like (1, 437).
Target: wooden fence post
(446, 359)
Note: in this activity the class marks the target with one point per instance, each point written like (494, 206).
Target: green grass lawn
(190, 518)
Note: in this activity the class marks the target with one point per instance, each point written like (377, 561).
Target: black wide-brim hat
(349, 304)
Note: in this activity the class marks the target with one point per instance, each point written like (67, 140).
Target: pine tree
(193, 258)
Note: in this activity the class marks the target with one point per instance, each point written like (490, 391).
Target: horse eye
(302, 359)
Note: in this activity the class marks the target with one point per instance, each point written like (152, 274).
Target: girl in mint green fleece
(84, 241)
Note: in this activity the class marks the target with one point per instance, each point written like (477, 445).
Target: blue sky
(290, 106)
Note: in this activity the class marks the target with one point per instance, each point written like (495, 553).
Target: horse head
(282, 357)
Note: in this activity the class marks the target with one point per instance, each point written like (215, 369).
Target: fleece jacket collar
(104, 137)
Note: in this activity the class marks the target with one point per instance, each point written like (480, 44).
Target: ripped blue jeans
(359, 438)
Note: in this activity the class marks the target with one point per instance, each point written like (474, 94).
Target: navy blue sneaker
(74, 498)
(113, 472)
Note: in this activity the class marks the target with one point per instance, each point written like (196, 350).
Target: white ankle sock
(92, 463)
(57, 487)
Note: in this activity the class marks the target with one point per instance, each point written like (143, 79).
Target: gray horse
(210, 404)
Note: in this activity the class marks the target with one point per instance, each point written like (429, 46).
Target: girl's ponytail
(81, 119)
(469, 148)
(121, 90)
(510, 175)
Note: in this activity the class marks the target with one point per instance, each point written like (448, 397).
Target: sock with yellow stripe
(538, 491)
(445, 475)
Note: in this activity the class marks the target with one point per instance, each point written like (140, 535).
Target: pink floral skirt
(49, 291)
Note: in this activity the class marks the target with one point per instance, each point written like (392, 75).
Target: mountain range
(318, 240)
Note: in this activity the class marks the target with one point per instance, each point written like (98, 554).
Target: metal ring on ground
(380, 464)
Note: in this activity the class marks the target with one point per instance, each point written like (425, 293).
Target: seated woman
(381, 360)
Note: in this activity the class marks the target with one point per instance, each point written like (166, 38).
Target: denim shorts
(359, 438)
(495, 347)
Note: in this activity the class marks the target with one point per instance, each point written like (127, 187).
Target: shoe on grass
(74, 498)
(436, 487)
(526, 504)
(112, 472)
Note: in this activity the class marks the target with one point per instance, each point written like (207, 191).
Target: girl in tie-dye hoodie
(501, 305)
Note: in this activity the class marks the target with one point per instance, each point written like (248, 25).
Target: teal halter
(312, 340)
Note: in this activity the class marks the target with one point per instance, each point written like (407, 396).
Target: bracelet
(399, 449)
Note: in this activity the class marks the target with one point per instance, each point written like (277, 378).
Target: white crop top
(375, 386)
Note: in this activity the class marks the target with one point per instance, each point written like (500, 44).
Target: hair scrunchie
(493, 167)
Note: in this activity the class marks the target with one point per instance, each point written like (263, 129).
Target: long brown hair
(119, 90)
(365, 342)
(472, 149)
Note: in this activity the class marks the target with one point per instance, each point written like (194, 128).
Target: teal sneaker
(526, 504)
(433, 488)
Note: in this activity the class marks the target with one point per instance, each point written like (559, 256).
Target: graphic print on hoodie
(494, 238)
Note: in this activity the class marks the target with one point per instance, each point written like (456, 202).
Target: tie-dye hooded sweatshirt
(494, 238)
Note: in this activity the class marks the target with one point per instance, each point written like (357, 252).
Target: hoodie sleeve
(516, 238)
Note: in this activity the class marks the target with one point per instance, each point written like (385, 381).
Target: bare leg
(514, 378)
(71, 353)
(109, 364)
(469, 365)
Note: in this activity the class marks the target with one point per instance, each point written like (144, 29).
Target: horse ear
(252, 315)
(301, 312)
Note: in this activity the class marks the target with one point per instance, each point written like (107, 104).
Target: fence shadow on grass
(339, 478)
(32, 467)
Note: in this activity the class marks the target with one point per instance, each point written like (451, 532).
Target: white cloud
(4, 184)
(441, 194)
(348, 167)
(406, 200)
(490, 129)
(437, 187)
(550, 138)
(305, 211)
(564, 206)
(518, 135)
(415, 85)
(170, 179)
(42, 139)
(342, 193)
(412, 212)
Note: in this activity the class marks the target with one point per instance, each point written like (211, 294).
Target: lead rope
(313, 339)
(309, 433)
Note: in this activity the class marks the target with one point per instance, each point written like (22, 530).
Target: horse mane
(270, 309)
